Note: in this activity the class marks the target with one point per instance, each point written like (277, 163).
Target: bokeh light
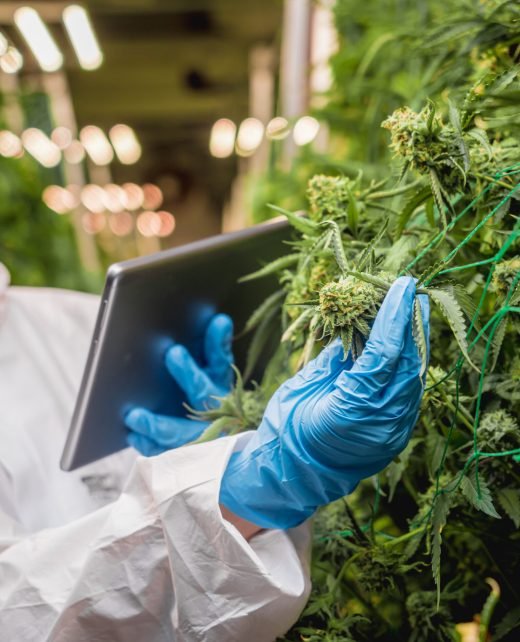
(222, 138)
(149, 223)
(96, 144)
(12, 61)
(10, 145)
(125, 143)
(75, 153)
(249, 137)
(41, 147)
(62, 137)
(114, 198)
(167, 223)
(134, 196)
(93, 198)
(277, 128)
(305, 130)
(93, 223)
(152, 196)
(121, 224)
(59, 199)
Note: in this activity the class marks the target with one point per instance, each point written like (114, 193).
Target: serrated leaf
(478, 494)
(271, 268)
(498, 340)
(395, 469)
(413, 203)
(299, 222)
(438, 197)
(260, 337)
(346, 335)
(455, 123)
(431, 114)
(420, 336)
(481, 137)
(509, 499)
(337, 245)
(370, 278)
(429, 210)
(299, 323)
(257, 316)
(367, 252)
(439, 517)
(399, 253)
(452, 312)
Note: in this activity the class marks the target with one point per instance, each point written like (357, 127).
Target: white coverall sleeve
(158, 564)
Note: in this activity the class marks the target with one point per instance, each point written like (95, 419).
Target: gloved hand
(333, 424)
(152, 434)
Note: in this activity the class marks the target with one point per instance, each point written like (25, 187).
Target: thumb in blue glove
(333, 424)
(152, 434)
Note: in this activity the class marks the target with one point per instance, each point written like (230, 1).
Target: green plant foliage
(36, 245)
(406, 556)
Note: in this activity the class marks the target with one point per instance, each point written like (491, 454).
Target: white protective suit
(83, 560)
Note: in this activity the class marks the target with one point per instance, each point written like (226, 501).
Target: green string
(492, 324)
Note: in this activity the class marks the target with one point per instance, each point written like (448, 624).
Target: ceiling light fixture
(41, 147)
(74, 153)
(249, 136)
(12, 61)
(305, 130)
(125, 143)
(96, 144)
(82, 37)
(39, 39)
(4, 44)
(222, 138)
(10, 144)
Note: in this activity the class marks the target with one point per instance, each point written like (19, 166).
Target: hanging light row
(121, 207)
(48, 151)
(224, 138)
(43, 46)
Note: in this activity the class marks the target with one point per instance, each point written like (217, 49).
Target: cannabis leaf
(476, 491)
(441, 508)
(417, 199)
(509, 499)
(420, 336)
(272, 268)
(263, 309)
(299, 222)
(453, 314)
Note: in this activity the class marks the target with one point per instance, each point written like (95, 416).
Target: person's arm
(159, 563)
(245, 528)
(333, 424)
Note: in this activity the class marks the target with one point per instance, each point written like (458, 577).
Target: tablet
(148, 304)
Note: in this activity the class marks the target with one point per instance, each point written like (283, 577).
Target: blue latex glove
(152, 434)
(333, 424)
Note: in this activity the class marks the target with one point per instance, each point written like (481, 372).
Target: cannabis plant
(428, 549)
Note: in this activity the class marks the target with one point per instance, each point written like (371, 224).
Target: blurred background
(130, 126)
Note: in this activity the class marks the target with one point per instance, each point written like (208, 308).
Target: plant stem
(375, 196)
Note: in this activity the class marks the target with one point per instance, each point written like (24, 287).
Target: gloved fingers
(328, 363)
(424, 302)
(374, 368)
(191, 378)
(145, 446)
(167, 432)
(217, 350)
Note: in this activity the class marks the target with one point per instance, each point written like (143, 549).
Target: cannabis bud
(349, 304)
(328, 197)
(504, 275)
(428, 145)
